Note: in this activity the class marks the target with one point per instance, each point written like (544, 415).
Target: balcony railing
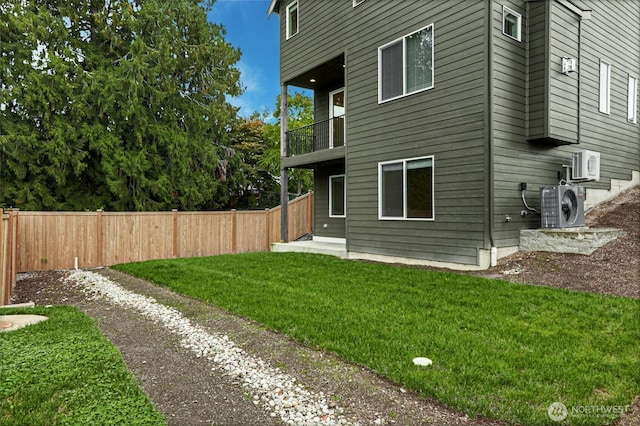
(320, 135)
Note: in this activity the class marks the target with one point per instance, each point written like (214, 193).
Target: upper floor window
(632, 100)
(405, 66)
(357, 2)
(292, 19)
(405, 189)
(511, 23)
(605, 87)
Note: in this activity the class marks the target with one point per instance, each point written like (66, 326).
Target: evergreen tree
(115, 104)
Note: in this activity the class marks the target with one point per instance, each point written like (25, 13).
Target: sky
(249, 29)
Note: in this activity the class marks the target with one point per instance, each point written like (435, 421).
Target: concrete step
(319, 247)
(581, 240)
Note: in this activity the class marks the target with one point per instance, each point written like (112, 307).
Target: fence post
(174, 237)
(310, 213)
(4, 276)
(99, 240)
(268, 230)
(234, 225)
(13, 241)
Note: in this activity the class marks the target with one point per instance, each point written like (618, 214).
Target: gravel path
(276, 392)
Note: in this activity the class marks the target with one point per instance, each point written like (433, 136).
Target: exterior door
(336, 118)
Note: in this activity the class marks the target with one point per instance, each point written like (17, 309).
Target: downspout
(579, 129)
(489, 202)
(284, 172)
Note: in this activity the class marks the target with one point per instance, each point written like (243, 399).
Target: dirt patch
(190, 391)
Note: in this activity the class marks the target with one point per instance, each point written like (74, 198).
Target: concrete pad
(15, 322)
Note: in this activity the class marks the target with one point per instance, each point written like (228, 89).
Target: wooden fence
(66, 240)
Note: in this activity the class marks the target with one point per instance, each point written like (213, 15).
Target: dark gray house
(434, 116)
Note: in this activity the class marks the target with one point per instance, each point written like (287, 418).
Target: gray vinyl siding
(321, 105)
(559, 105)
(446, 122)
(323, 33)
(537, 38)
(513, 157)
(552, 34)
(612, 35)
(335, 227)
(563, 89)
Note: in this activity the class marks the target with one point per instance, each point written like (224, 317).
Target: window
(292, 19)
(511, 23)
(632, 100)
(405, 66)
(605, 87)
(357, 2)
(406, 189)
(337, 196)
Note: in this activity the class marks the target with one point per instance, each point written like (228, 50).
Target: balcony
(321, 135)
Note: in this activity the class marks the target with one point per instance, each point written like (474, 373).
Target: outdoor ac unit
(562, 206)
(585, 165)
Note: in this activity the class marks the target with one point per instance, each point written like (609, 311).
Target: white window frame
(632, 100)
(507, 11)
(605, 88)
(404, 190)
(357, 2)
(290, 6)
(344, 183)
(403, 40)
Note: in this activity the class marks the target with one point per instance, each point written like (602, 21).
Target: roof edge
(272, 7)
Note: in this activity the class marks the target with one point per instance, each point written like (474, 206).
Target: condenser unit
(562, 206)
(585, 165)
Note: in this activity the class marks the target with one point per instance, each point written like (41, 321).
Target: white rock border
(275, 390)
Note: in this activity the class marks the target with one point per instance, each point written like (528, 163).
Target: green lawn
(63, 371)
(499, 349)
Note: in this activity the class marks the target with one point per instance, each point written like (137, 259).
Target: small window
(605, 87)
(292, 19)
(337, 196)
(405, 66)
(405, 189)
(511, 23)
(632, 100)
(357, 2)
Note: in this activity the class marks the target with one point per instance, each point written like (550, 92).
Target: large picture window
(337, 196)
(292, 19)
(406, 189)
(405, 66)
